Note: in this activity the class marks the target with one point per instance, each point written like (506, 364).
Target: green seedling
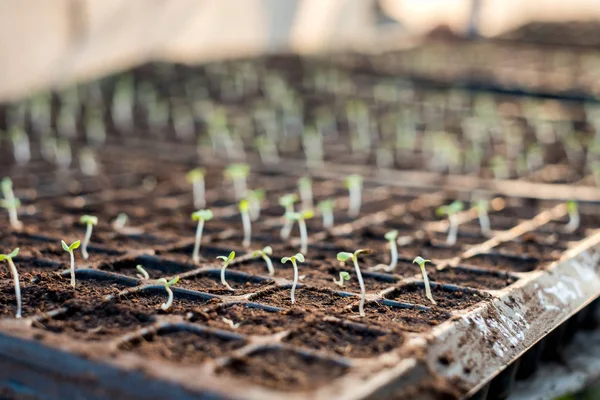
(313, 148)
(482, 207)
(391, 237)
(244, 207)
(451, 211)
(15, 275)
(264, 254)
(238, 173)
(255, 197)
(226, 261)
(201, 216)
(120, 222)
(344, 276)
(574, 219)
(196, 178)
(90, 221)
(421, 261)
(343, 257)
(11, 203)
(168, 284)
(301, 217)
(306, 193)
(143, 274)
(20, 143)
(354, 184)
(326, 208)
(87, 162)
(70, 249)
(294, 260)
(267, 149)
(287, 202)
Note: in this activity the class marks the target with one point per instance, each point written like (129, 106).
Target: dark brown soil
(306, 298)
(503, 262)
(156, 267)
(152, 299)
(446, 299)
(284, 370)
(343, 339)
(470, 278)
(183, 346)
(210, 282)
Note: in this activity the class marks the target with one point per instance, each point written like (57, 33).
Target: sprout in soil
(201, 216)
(168, 284)
(301, 217)
(69, 249)
(143, 274)
(226, 261)
(354, 185)
(244, 207)
(343, 256)
(238, 174)
(306, 194)
(11, 203)
(196, 178)
(265, 253)
(89, 221)
(326, 208)
(13, 271)
(120, 222)
(482, 207)
(574, 219)
(230, 323)
(294, 260)
(344, 276)
(391, 237)
(451, 210)
(287, 201)
(254, 198)
(421, 261)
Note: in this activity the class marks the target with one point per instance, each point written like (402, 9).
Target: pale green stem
(239, 186)
(15, 275)
(86, 241)
(196, 253)
(303, 236)
(72, 268)
(247, 229)
(355, 201)
(394, 260)
(452, 230)
(223, 281)
(169, 303)
(306, 196)
(269, 264)
(361, 306)
(293, 293)
(286, 230)
(199, 198)
(427, 287)
(484, 221)
(573, 222)
(327, 219)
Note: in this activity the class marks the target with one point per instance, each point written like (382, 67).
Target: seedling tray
(504, 301)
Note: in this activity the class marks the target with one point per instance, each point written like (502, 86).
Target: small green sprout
(196, 178)
(89, 221)
(451, 210)
(201, 216)
(11, 203)
(244, 206)
(326, 208)
(391, 237)
(287, 201)
(482, 207)
(13, 271)
(354, 184)
(421, 261)
(20, 143)
(294, 260)
(120, 222)
(143, 274)
(238, 173)
(306, 193)
(574, 218)
(226, 261)
(69, 249)
(265, 253)
(344, 276)
(255, 197)
(343, 257)
(301, 217)
(168, 284)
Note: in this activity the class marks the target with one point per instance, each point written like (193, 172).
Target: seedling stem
(294, 260)
(343, 256)
(89, 221)
(451, 210)
(10, 203)
(574, 219)
(326, 208)
(301, 217)
(344, 276)
(168, 284)
(421, 261)
(13, 271)
(264, 254)
(244, 206)
(482, 214)
(226, 261)
(306, 193)
(70, 249)
(196, 178)
(354, 184)
(201, 216)
(238, 174)
(287, 201)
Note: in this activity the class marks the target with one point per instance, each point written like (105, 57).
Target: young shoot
(70, 249)
(89, 221)
(354, 185)
(301, 217)
(450, 211)
(264, 254)
(306, 193)
(238, 173)
(168, 284)
(11, 203)
(119, 223)
(421, 261)
(255, 197)
(287, 201)
(343, 257)
(244, 206)
(326, 208)
(13, 271)
(196, 178)
(201, 216)
(344, 276)
(574, 219)
(391, 237)
(294, 260)
(143, 274)
(482, 207)
(226, 261)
